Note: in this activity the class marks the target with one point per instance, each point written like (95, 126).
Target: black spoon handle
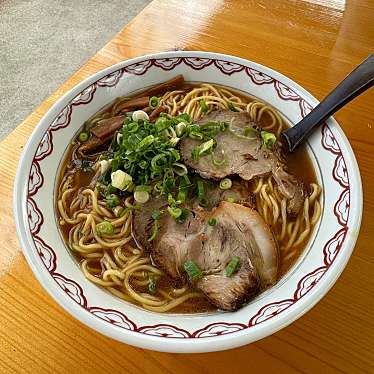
(353, 85)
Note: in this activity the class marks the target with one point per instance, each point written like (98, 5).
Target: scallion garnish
(230, 105)
(203, 148)
(112, 200)
(117, 210)
(203, 106)
(146, 159)
(121, 180)
(212, 221)
(132, 127)
(104, 228)
(155, 229)
(268, 139)
(180, 169)
(180, 129)
(152, 284)
(182, 218)
(225, 184)
(174, 141)
(193, 271)
(83, 137)
(175, 212)
(217, 162)
(156, 214)
(146, 142)
(203, 202)
(195, 134)
(233, 266)
(143, 188)
(141, 196)
(153, 102)
(250, 130)
(183, 188)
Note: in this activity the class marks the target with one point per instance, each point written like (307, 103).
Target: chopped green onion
(153, 102)
(132, 127)
(158, 161)
(143, 188)
(118, 210)
(250, 130)
(104, 228)
(195, 154)
(174, 141)
(230, 200)
(83, 137)
(103, 157)
(126, 210)
(232, 267)
(156, 214)
(183, 188)
(231, 107)
(183, 216)
(121, 180)
(175, 154)
(205, 147)
(147, 155)
(171, 200)
(168, 184)
(175, 212)
(219, 162)
(225, 184)
(180, 129)
(203, 106)
(184, 117)
(141, 196)
(146, 142)
(203, 202)
(152, 285)
(193, 271)
(202, 148)
(155, 229)
(162, 123)
(140, 115)
(268, 138)
(212, 222)
(194, 134)
(180, 169)
(112, 200)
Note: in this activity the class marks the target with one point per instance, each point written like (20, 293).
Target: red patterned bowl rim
(114, 323)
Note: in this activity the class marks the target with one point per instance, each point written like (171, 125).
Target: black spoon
(353, 85)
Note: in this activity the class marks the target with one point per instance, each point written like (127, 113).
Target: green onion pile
(145, 160)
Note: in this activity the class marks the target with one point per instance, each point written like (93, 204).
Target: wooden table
(314, 42)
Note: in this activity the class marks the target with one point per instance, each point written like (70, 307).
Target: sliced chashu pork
(244, 156)
(143, 221)
(240, 231)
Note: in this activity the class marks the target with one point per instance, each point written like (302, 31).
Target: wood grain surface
(314, 42)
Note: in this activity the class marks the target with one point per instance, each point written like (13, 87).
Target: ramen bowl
(308, 280)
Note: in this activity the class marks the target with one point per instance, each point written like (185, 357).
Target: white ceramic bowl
(302, 287)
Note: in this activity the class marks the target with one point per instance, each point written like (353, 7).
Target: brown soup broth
(299, 164)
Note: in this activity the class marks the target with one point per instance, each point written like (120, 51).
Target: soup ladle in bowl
(358, 81)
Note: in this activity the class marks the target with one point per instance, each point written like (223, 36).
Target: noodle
(110, 261)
